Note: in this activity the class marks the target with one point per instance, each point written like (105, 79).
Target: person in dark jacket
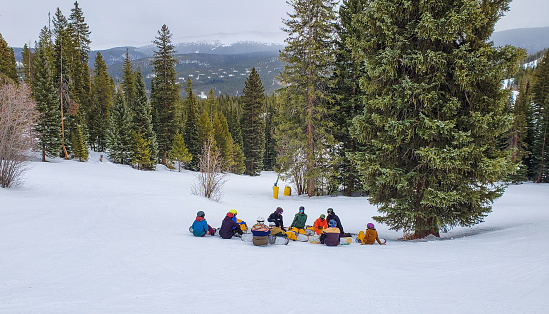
(200, 226)
(276, 217)
(229, 228)
(333, 216)
(330, 236)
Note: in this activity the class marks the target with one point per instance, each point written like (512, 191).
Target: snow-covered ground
(103, 238)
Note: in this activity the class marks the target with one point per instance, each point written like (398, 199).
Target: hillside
(531, 39)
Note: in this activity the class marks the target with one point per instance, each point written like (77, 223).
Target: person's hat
(322, 216)
(301, 209)
(200, 213)
(229, 214)
(370, 225)
(332, 223)
(330, 210)
(279, 210)
(260, 219)
(233, 211)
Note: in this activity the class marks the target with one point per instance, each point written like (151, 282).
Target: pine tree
(308, 61)
(269, 157)
(140, 151)
(80, 35)
(206, 127)
(48, 128)
(540, 106)
(128, 83)
(27, 58)
(7, 61)
(253, 123)
(192, 125)
(119, 134)
(237, 157)
(101, 102)
(346, 91)
(222, 138)
(179, 152)
(142, 116)
(434, 112)
(165, 95)
(79, 146)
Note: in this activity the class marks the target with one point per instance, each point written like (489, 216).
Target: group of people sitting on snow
(329, 228)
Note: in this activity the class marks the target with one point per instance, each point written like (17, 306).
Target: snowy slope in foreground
(103, 238)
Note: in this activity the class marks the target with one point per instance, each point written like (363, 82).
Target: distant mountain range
(225, 67)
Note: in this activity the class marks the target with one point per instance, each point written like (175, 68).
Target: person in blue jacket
(200, 226)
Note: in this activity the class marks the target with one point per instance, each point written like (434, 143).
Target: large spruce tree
(119, 135)
(7, 60)
(101, 102)
(165, 94)
(434, 111)
(142, 117)
(303, 131)
(253, 123)
(48, 128)
(540, 111)
(192, 126)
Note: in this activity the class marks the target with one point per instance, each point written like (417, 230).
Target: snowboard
(302, 238)
(310, 232)
(315, 239)
(345, 240)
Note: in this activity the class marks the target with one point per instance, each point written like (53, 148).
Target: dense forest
(405, 106)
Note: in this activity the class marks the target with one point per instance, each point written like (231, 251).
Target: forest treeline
(406, 106)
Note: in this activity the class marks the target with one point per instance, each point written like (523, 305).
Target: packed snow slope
(96, 237)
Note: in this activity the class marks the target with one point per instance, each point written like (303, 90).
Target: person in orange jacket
(320, 224)
(370, 236)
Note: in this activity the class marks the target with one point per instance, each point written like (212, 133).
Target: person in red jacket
(320, 224)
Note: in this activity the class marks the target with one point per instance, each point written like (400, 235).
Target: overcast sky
(115, 23)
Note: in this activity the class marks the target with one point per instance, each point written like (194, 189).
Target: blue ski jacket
(200, 227)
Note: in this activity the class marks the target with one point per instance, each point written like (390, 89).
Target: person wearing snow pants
(229, 228)
(200, 226)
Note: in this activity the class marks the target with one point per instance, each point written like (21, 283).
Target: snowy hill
(531, 39)
(103, 238)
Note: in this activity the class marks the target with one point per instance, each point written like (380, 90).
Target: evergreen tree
(206, 127)
(27, 57)
(128, 83)
(79, 147)
(48, 128)
(346, 91)
(308, 61)
(179, 152)
(142, 116)
(253, 123)
(237, 157)
(223, 138)
(141, 151)
(434, 112)
(119, 134)
(7, 60)
(540, 108)
(165, 95)
(269, 157)
(80, 35)
(101, 102)
(192, 125)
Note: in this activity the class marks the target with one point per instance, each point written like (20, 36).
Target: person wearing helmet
(320, 224)
(200, 226)
(229, 228)
(298, 224)
(333, 216)
(276, 217)
(260, 232)
(330, 236)
(370, 236)
(240, 222)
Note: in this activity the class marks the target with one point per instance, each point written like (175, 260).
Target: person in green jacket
(298, 225)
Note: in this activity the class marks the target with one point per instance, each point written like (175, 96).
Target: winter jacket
(260, 230)
(227, 226)
(331, 236)
(200, 226)
(370, 237)
(299, 221)
(334, 217)
(320, 224)
(277, 219)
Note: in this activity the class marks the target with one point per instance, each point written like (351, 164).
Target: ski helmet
(330, 211)
(301, 209)
(233, 211)
(370, 225)
(322, 216)
(200, 214)
(260, 219)
(279, 210)
(332, 223)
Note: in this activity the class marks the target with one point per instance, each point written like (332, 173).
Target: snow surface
(103, 238)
